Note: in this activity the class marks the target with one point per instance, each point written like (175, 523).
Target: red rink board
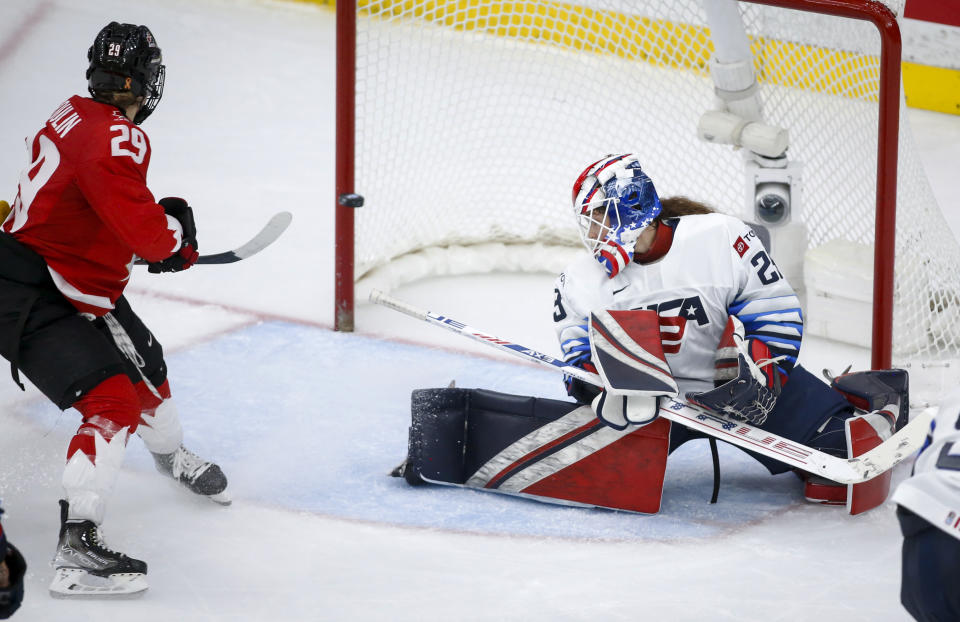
(938, 11)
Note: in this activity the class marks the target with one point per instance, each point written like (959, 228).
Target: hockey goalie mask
(611, 197)
(125, 57)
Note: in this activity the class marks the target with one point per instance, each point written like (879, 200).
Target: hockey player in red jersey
(722, 328)
(82, 216)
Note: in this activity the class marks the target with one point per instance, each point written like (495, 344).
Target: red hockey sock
(107, 409)
(149, 401)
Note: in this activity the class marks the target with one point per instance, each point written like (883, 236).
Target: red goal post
(887, 130)
(854, 155)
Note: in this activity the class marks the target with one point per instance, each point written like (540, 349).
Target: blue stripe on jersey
(792, 345)
(787, 316)
(761, 306)
(786, 329)
(574, 345)
(779, 343)
(785, 332)
(777, 322)
(784, 336)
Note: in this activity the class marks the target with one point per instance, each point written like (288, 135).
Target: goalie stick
(267, 236)
(844, 471)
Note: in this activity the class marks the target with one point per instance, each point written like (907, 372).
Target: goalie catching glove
(747, 377)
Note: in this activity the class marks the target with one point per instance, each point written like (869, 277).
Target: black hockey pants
(62, 352)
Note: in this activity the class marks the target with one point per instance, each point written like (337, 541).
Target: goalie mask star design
(613, 196)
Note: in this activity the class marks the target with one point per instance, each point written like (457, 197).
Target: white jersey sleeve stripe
(787, 315)
(772, 328)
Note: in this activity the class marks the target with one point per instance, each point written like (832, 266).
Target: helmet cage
(125, 57)
(597, 221)
(153, 93)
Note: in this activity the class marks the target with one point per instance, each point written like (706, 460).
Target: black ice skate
(198, 475)
(84, 566)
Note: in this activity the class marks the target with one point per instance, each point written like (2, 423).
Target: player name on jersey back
(64, 119)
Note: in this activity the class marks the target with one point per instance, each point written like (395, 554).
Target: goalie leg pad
(823, 491)
(863, 434)
(455, 431)
(551, 450)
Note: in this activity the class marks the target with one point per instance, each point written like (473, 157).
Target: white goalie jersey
(934, 490)
(716, 267)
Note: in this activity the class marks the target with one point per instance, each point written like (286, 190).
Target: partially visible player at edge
(928, 507)
(12, 570)
(82, 215)
(730, 324)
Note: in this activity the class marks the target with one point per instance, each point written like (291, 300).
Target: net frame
(875, 13)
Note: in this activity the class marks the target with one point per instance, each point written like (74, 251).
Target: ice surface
(307, 422)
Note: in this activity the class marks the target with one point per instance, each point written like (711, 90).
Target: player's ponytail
(673, 207)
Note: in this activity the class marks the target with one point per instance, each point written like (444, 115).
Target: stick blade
(905, 443)
(267, 236)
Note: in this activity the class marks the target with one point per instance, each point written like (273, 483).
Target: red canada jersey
(84, 206)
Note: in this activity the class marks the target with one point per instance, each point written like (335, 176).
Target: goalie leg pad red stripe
(862, 436)
(626, 475)
(533, 452)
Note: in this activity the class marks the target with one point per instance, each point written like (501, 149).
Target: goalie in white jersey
(730, 324)
(929, 513)
(702, 287)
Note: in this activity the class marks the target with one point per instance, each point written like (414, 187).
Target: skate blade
(223, 498)
(76, 582)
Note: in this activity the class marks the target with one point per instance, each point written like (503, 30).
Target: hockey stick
(274, 228)
(845, 471)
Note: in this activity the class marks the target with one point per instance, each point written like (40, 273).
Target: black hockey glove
(187, 255)
(11, 592)
(12, 595)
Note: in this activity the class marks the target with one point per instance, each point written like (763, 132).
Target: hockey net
(472, 118)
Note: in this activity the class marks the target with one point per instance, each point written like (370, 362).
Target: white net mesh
(475, 116)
